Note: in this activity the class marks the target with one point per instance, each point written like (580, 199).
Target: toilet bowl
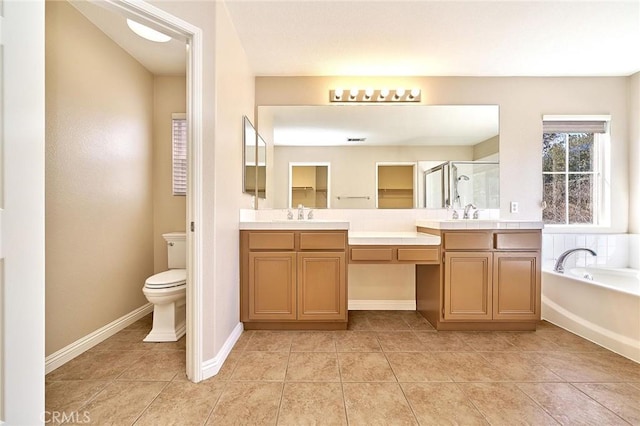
(167, 292)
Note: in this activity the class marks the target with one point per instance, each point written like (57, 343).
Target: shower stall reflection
(457, 183)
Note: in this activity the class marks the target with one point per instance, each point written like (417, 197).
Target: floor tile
(312, 404)
(122, 402)
(484, 341)
(400, 341)
(125, 340)
(377, 404)
(229, 365)
(442, 341)
(270, 341)
(313, 341)
(387, 320)
(243, 340)
(441, 404)
(313, 367)
(571, 367)
(357, 341)
(568, 405)
(467, 367)
(182, 403)
(519, 368)
(416, 367)
(247, 403)
(528, 341)
(505, 404)
(96, 365)
(621, 398)
(148, 366)
(416, 321)
(612, 363)
(261, 366)
(365, 367)
(569, 342)
(71, 395)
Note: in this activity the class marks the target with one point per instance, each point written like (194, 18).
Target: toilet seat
(167, 279)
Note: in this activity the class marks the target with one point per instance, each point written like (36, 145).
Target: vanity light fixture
(371, 95)
(147, 33)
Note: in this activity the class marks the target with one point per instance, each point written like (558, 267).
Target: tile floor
(390, 367)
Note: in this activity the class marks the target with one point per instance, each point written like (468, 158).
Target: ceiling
(414, 38)
(381, 125)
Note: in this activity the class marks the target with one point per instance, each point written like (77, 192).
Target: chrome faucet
(466, 210)
(310, 214)
(560, 262)
(300, 212)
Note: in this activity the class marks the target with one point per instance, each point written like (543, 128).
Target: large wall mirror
(355, 139)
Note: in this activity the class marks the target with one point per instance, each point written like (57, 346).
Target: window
(572, 169)
(179, 144)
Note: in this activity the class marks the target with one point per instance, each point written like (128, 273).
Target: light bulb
(383, 94)
(368, 93)
(353, 94)
(399, 93)
(337, 94)
(415, 93)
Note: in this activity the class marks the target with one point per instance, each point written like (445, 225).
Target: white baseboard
(211, 366)
(85, 343)
(382, 305)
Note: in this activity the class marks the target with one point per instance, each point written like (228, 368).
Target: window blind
(574, 125)
(179, 143)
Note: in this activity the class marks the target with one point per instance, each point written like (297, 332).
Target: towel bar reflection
(347, 197)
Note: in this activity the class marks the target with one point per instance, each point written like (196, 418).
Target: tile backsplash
(614, 250)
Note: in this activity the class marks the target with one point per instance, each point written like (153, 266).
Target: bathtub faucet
(560, 263)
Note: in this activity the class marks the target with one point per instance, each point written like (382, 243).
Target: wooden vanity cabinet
(293, 279)
(489, 279)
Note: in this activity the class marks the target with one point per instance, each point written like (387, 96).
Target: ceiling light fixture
(371, 95)
(147, 33)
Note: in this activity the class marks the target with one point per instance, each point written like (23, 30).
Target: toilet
(168, 293)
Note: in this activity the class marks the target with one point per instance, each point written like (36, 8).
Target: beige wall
(169, 211)
(634, 153)
(99, 223)
(227, 95)
(522, 103)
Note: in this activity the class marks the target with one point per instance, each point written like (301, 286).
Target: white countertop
(294, 224)
(393, 238)
(479, 224)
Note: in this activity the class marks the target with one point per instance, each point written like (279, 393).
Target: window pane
(554, 196)
(553, 152)
(581, 152)
(580, 198)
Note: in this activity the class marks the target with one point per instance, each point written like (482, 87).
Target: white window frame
(601, 186)
(179, 157)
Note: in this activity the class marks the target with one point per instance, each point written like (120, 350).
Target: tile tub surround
(614, 250)
(389, 366)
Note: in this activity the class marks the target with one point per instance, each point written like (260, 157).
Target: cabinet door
(516, 286)
(322, 286)
(272, 286)
(467, 286)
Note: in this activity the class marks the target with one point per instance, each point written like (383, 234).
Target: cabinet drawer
(377, 254)
(518, 241)
(467, 240)
(271, 241)
(418, 255)
(323, 240)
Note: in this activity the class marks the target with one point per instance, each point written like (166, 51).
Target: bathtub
(599, 304)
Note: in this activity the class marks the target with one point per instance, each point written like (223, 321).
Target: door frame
(158, 19)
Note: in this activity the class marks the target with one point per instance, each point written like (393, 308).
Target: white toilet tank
(176, 249)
